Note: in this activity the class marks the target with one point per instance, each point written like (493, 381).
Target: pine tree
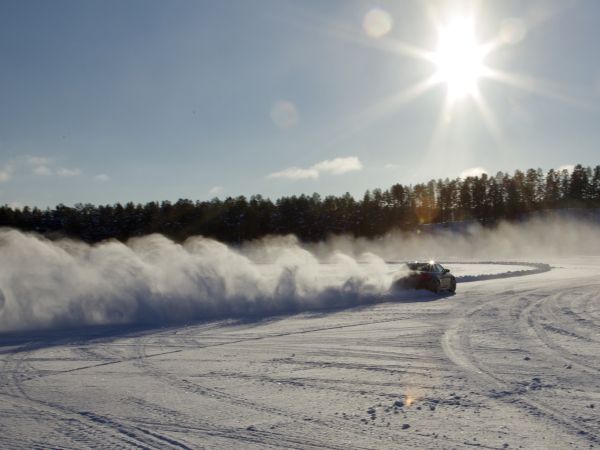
(552, 189)
(479, 197)
(496, 198)
(595, 186)
(578, 185)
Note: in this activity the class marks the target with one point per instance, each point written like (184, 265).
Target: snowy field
(507, 362)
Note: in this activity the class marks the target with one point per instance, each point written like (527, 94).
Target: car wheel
(453, 285)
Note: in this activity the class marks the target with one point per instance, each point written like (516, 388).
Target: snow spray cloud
(537, 239)
(56, 284)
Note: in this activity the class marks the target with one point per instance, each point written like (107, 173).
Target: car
(427, 275)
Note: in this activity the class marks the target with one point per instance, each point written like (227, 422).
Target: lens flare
(409, 400)
(284, 114)
(512, 31)
(377, 23)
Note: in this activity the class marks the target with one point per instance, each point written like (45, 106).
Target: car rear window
(419, 266)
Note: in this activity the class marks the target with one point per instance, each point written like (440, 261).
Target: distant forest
(487, 199)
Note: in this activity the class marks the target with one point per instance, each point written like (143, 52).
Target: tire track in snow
(457, 345)
(306, 441)
(316, 426)
(175, 421)
(542, 318)
(82, 427)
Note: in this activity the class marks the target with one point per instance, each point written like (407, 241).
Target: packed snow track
(508, 362)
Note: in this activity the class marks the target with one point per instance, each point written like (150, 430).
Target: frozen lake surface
(507, 362)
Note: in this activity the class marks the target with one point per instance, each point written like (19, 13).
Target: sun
(458, 58)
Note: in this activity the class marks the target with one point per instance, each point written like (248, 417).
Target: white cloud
(568, 167)
(216, 190)
(284, 114)
(102, 177)
(337, 166)
(38, 165)
(5, 172)
(41, 165)
(64, 172)
(473, 172)
(295, 173)
(45, 166)
(392, 166)
(38, 160)
(42, 171)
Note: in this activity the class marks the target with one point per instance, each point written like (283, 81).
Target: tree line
(487, 199)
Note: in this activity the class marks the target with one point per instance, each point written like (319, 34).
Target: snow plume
(546, 236)
(54, 284)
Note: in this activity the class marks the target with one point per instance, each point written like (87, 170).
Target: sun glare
(458, 58)
(459, 63)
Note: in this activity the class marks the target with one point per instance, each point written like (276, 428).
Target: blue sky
(106, 101)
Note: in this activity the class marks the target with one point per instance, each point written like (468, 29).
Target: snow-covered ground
(507, 362)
